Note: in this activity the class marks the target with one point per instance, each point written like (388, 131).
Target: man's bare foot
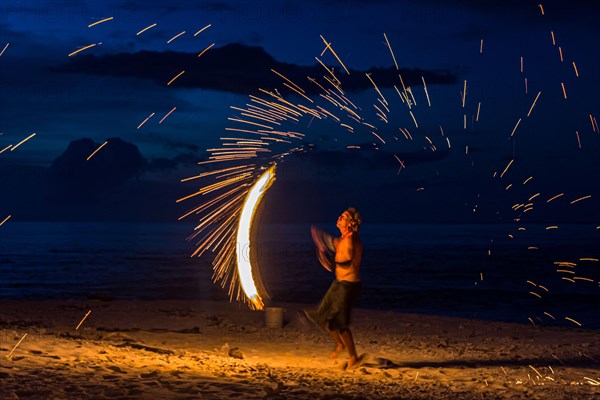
(355, 362)
(333, 355)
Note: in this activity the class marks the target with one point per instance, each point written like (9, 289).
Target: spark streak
(533, 104)
(507, 167)
(554, 198)
(564, 90)
(83, 319)
(391, 51)
(17, 345)
(166, 115)
(578, 139)
(97, 150)
(205, 50)
(22, 141)
(4, 49)
(515, 128)
(328, 46)
(82, 49)
(202, 30)
(580, 199)
(573, 321)
(176, 76)
(101, 21)
(5, 219)
(6, 148)
(145, 29)
(575, 69)
(426, 93)
(175, 37)
(144, 121)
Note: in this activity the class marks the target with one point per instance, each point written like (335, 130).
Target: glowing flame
(244, 266)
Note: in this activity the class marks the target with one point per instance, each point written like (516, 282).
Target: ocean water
(490, 272)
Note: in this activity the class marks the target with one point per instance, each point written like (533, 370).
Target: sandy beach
(213, 350)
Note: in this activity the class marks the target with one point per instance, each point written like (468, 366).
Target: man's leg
(335, 334)
(348, 342)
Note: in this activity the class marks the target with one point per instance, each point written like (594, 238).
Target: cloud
(239, 68)
(75, 175)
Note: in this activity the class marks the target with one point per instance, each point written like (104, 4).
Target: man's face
(342, 221)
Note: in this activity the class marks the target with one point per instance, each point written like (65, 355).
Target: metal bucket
(274, 317)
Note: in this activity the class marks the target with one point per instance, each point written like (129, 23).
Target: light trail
(244, 265)
(175, 37)
(144, 121)
(533, 104)
(4, 49)
(83, 319)
(82, 49)
(101, 21)
(581, 199)
(17, 345)
(97, 150)
(391, 51)
(166, 115)
(145, 29)
(202, 30)
(5, 219)
(22, 141)
(175, 77)
(205, 50)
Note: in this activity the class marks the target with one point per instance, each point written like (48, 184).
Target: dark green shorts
(333, 312)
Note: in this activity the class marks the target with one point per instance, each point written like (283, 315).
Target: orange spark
(464, 93)
(378, 137)
(554, 198)
(101, 21)
(205, 50)
(6, 148)
(84, 317)
(414, 119)
(82, 49)
(328, 46)
(391, 51)
(527, 180)
(175, 37)
(426, 93)
(507, 167)
(481, 47)
(145, 29)
(534, 196)
(553, 39)
(521, 64)
(23, 141)
(551, 227)
(4, 49)
(533, 104)
(541, 8)
(572, 320)
(144, 121)
(508, 187)
(515, 128)
(176, 76)
(564, 90)
(550, 315)
(580, 199)
(560, 54)
(575, 69)
(478, 110)
(166, 115)
(5, 219)
(201, 30)
(17, 345)
(581, 259)
(535, 294)
(95, 151)
(578, 139)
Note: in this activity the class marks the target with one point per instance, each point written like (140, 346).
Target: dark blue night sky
(74, 104)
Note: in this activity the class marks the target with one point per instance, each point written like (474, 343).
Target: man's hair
(354, 221)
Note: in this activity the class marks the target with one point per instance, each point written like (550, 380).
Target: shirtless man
(341, 255)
